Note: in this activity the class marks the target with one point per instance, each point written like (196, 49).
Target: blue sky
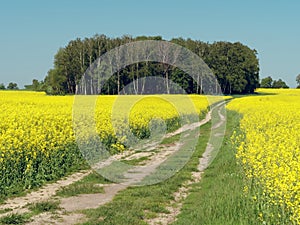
(32, 31)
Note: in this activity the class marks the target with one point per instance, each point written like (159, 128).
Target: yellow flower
(270, 152)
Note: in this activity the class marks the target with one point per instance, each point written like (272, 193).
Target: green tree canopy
(12, 86)
(235, 65)
(36, 86)
(298, 80)
(279, 84)
(266, 82)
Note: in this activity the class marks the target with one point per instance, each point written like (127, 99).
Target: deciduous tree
(12, 86)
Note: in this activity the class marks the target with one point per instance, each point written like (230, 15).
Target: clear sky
(33, 30)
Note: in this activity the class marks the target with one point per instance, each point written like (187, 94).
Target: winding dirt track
(207, 157)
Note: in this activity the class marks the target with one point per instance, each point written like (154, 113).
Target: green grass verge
(44, 206)
(5, 210)
(87, 185)
(218, 198)
(17, 219)
(35, 209)
(137, 161)
(171, 139)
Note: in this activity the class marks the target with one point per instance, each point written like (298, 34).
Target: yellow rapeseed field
(269, 150)
(37, 141)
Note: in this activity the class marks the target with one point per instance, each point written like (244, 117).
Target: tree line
(268, 82)
(235, 65)
(10, 86)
